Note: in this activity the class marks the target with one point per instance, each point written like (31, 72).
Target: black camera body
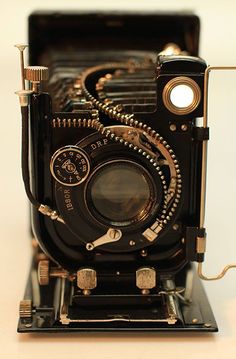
(116, 168)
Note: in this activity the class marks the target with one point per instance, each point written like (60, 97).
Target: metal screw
(118, 108)
(184, 127)
(175, 226)
(207, 325)
(89, 246)
(195, 320)
(114, 234)
(132, 243)
(143, 253)
(86, 292)
(29, 325)
(145, 291)
(173, 127)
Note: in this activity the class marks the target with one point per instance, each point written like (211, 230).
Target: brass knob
(25, 309)
(43, 272)
(36, 73)
(86, 279)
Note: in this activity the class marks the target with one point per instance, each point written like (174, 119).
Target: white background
(218, 47)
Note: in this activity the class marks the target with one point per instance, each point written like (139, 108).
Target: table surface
(218, 30)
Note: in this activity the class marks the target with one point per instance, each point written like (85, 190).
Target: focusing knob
(43, 272)
(25, 309)
(36, 73)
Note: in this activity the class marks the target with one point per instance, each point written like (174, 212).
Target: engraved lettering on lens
(67, 198)
(98, 144)
(70, 166)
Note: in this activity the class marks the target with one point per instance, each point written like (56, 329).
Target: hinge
(201, 245)
(195, 244)
(201, 133)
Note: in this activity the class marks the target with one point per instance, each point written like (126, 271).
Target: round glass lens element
(121, 192)
(182, 96)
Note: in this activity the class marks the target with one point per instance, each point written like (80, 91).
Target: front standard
(113, 164)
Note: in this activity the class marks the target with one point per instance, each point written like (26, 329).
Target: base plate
(57, 308)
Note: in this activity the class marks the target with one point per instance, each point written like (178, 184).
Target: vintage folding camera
(114, 165)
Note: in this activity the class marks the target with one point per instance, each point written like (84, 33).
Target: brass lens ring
(171, 85)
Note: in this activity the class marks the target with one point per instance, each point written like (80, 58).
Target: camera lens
(121, 192)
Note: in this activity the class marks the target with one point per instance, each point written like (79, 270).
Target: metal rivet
(184, 127)
(175, 226)
(143, 253)
(29, 325)
(173, 127)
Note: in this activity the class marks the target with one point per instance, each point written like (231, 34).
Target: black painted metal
(50, 33)
(132, 305)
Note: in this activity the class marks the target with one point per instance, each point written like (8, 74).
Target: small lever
(112, 235)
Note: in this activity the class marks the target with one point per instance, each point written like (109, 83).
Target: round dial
(70, 166)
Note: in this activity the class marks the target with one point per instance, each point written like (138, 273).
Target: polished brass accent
(201, 245)
(219, 276)
(43, 272)
(181, 80)
(171, 298)
(23, 93)
(112, 235)
(71, 122)
(204, 168)
(173, 127)
(25, 309)
(151, 233)
(21, 48)
(143, 253)
(86, 280)
(146, 279)
(207, 325)
(47, 211)
(64, 302)
(175, 227)
(24, 97)
(36, 74)
(184, 127)
(171, 49)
